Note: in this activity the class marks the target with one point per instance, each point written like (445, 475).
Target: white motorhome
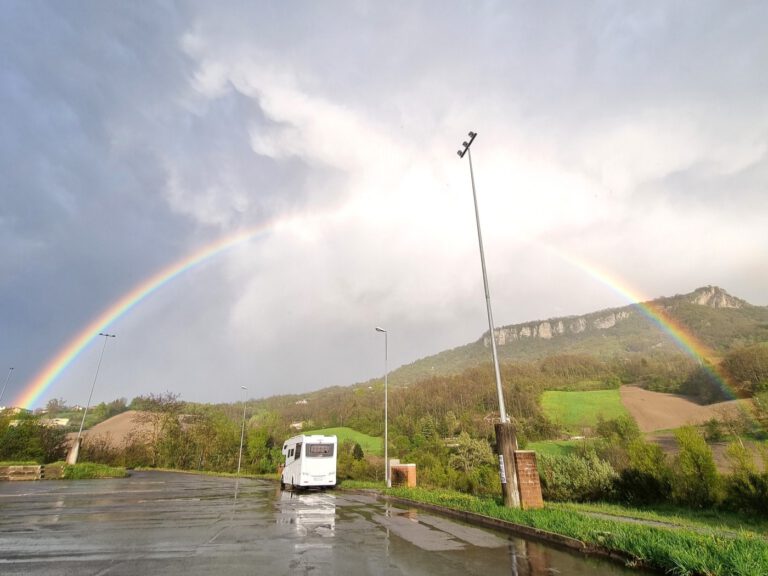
(310, 461)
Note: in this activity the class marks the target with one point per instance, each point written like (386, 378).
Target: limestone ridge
(709, 296)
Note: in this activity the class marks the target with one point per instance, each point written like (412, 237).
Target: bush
(575, 478)
(747, 493)
(635, 487)
(746, 490)
(713, 430)
(30, 440)
(695, 481)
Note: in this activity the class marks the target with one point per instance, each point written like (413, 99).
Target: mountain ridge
(714, 317)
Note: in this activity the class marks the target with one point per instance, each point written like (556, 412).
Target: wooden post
(506, 444)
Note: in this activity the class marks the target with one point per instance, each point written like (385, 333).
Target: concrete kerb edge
(521, 530)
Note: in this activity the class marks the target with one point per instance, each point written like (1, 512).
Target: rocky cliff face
(710, 296)
(715, 297)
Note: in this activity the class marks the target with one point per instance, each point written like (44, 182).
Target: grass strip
(700, 520)
(89, 470)
(677, 551)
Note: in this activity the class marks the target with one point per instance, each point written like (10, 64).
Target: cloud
(134, 135)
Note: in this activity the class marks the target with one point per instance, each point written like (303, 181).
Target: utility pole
(506, 440)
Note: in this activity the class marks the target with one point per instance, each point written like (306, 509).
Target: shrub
(575, 478)
(647, 478)
(695, 481)
(713, 430)
(746, 490)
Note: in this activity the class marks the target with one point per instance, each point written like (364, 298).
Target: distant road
(182, 524)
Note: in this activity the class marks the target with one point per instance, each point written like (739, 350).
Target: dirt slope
(658, 411)
(116, 428)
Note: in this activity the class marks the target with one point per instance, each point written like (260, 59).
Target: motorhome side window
(290, 453)
(319, 450)
(298, 450)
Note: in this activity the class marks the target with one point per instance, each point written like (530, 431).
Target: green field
(578, 410)
(555, 447)
(369, 444)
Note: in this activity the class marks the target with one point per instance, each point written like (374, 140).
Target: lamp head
(380, 329)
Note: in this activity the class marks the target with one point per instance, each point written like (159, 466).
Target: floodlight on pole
(242, 431)
(72, 458)
(461, 153)
(7, 378)
(387, 476)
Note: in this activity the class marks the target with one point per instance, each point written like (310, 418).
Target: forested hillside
(715, 318)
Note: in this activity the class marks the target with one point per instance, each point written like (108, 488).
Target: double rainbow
(33, 391)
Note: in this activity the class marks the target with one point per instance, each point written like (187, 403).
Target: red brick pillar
(528, 480)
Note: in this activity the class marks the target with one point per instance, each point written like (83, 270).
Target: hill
(716, 319)
(115, 429)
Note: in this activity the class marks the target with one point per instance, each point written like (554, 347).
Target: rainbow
(43, 379)
(679, 333)
(32, 392)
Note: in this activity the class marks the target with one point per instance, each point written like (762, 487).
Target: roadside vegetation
(89, 470)
(683, 551)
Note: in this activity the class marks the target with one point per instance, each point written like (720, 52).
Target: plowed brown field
(657, 411)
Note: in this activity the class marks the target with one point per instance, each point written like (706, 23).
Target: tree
(56, 405)
(470, 454)
(748, 368)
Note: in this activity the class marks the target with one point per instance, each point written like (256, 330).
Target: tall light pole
(242, 431)
(7, 378)
(461, 153)
(387, 477)
(72, 458)
(506, 440)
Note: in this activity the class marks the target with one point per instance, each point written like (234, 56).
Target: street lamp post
(387, 477)
(506, 440)
(7, 378)
(72, 458)
(242, 431)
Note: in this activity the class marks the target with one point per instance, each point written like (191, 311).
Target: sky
(632, 136)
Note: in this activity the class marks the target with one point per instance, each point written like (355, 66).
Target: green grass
(577, 410)
(679, 551)
(710, 519)
(19, 463)
(555, 447)
(370, 444)
(87, 470)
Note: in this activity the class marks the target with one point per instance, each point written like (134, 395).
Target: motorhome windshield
(319, 450)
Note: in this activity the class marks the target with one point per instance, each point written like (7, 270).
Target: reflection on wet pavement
(173, 523)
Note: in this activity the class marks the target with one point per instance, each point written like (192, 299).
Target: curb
(529, 532)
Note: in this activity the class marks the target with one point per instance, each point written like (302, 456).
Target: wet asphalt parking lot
(184, 524)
